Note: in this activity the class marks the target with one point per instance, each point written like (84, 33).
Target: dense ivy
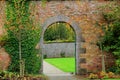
(111, 40)
(19, 27)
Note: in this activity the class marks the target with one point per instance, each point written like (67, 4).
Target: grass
(64, 64)
(59, 41)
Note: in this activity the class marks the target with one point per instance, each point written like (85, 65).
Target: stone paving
(54, 73)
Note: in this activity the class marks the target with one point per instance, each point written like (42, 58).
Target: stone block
(82, 50)
(82, 60)
(82, 39)
(82, 71)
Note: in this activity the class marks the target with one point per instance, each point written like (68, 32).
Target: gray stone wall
(59, 50)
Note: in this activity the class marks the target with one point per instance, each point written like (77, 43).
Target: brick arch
(77, 30)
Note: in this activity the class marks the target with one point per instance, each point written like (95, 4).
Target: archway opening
(78, 36)
(59, 48)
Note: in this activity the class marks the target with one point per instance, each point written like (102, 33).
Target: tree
(111, 39)
(59, 31)
(22, 38)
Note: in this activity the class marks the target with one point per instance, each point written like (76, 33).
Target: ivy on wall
(23, 36)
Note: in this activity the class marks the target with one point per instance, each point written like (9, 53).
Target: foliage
(3, 38)
(93, 76)
(59, 41)
(62, 54)
(111, 40)
(101, 75)
(20, 28)
(59, 32)
(111, 75)
(5, 75)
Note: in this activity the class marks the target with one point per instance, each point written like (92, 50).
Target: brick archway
(77, 30)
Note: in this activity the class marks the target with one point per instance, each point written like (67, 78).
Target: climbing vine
(23, 36)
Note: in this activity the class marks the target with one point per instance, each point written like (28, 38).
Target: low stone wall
(59, 50)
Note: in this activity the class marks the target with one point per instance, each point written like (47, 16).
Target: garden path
(54, 73)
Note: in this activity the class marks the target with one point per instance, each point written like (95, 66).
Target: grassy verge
(64, 64)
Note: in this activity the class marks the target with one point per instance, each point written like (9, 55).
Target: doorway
(59, 49)
(77, 30)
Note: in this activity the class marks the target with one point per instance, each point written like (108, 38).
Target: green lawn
(65, 64)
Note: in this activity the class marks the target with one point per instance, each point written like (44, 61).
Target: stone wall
(4, 57)
(2, 17)
(86, 14)
(53, 50)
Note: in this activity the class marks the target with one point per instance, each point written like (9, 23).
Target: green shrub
(111, 40)
(3, 38)
(93, 76)
(5, 75)
(45, 56)
(101, 75)
(62, 54)
(20, 28)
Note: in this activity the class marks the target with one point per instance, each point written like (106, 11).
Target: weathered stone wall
(4, 57)
(2, 17)
(87, 15)
(53, 50)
